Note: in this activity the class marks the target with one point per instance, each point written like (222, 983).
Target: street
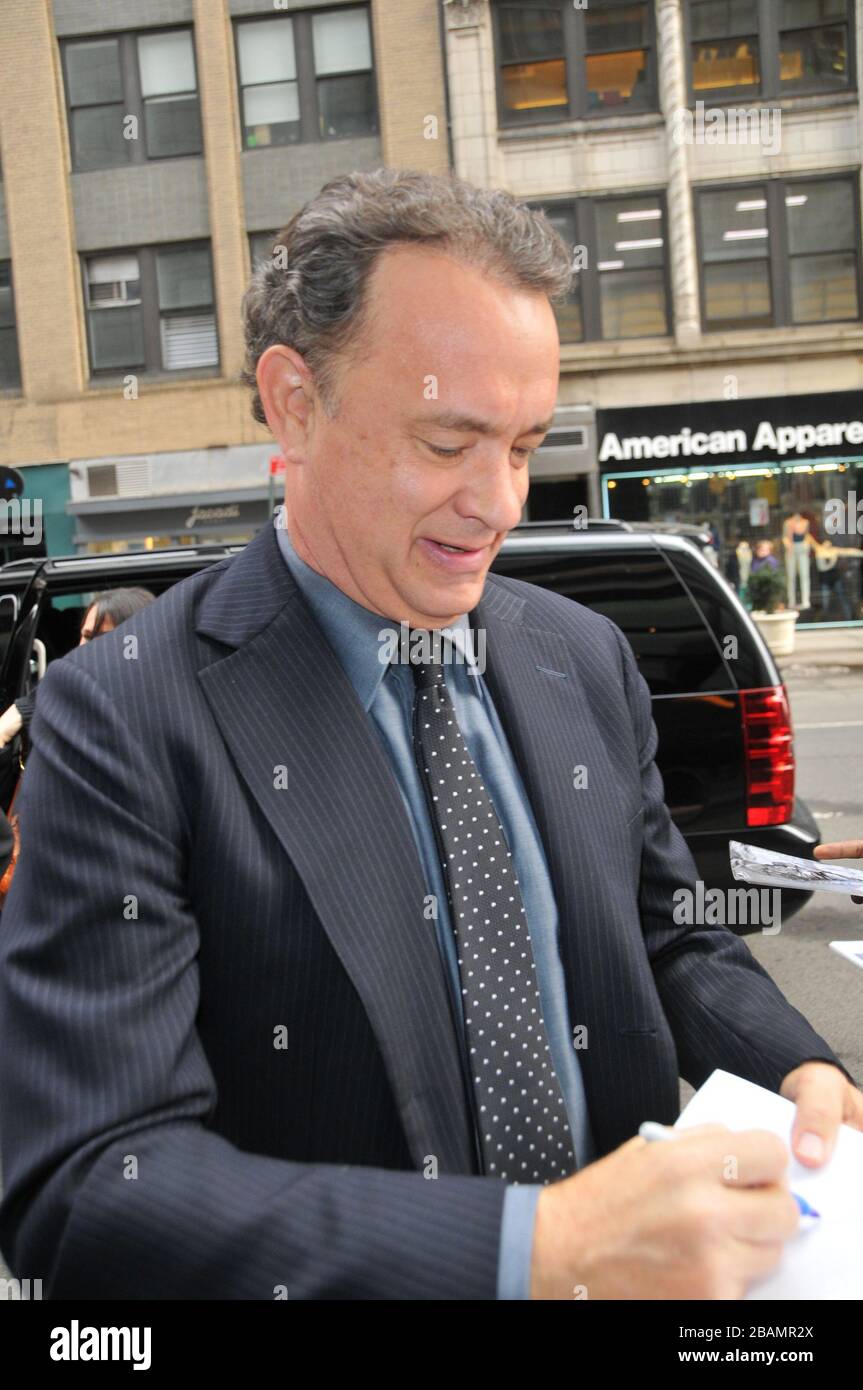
(827, 711)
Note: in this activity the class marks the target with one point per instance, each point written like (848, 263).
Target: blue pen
(651, 1131)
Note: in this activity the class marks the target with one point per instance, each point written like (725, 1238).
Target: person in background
(764, 557)
(827, 556)
(106, 612)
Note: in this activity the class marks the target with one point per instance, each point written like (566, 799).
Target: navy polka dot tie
(523, 1127)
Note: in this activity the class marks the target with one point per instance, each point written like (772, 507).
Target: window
(769, 48)
(151, 309)
(306, 76)
(781, 252)
(559, 61)
(132, 97)
(261, 246)
(621, 288)
(640, 592)
(10, 369)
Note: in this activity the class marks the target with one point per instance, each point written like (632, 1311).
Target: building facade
(149, 153)
(703, 158)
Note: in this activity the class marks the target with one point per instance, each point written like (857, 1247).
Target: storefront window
(778, 480)
(751, 504)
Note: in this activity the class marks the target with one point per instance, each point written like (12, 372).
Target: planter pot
(778, 630)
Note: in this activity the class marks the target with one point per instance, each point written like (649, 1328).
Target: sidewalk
(836, 646)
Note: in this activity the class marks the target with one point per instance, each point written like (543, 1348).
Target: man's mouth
(448, 553)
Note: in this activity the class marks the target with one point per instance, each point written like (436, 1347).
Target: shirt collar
(356, 634)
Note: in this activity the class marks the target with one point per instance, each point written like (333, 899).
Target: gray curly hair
(310, 294)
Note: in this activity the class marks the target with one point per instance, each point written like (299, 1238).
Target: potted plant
(765, 594)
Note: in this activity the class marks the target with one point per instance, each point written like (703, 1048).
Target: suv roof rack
(593, 523)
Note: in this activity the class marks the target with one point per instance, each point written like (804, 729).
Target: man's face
(430, 444)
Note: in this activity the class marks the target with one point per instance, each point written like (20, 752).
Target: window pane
(184, 278)
(272, 114)
(261, 246)
(616, 79)
(740, 290)
(10, 367)
(674, 649)
(526, 34)
(716, 19)
(267, 51)
(632, 303)
(533, 86)
(734, 224)
(347, 105)
(116, 338)
(629, 235)
(820, 216)
(104, 270)
(568, 315)
(824, 288)
(97, 139)
(802, 12)
(725, 63)
(173, 126)
(341, 41)
(166, 63)
(625, 27)
(189, 340)
(93, 72)
(7, 313)
(814, 57)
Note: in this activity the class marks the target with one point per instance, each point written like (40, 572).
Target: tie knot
(426, 660)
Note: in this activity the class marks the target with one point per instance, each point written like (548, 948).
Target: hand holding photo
(768, 868)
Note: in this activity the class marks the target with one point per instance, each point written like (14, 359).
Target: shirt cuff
(516, 1240)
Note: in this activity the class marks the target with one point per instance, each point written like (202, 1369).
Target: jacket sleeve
(25, 704)
(723, 1008)
(116, 1186)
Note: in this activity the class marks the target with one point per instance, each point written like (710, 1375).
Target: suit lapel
(282, 701)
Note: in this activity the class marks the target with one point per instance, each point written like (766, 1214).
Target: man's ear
(285, 388)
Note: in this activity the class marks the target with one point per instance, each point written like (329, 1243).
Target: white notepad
(826, 1262)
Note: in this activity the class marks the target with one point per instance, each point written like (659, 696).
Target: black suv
(725, 744)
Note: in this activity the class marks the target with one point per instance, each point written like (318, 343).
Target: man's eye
(525, 453)
(445, 453)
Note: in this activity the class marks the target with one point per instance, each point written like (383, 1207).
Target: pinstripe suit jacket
(176, 905)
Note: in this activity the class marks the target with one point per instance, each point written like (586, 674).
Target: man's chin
(441, 603)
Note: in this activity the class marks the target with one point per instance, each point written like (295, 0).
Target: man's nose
(496, 494)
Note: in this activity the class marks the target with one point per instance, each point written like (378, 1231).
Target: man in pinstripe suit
(238, 1023)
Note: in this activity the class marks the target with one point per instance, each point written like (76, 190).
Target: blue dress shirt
(386, 692)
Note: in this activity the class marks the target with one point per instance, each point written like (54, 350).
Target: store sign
(199, 514)
(770, 430)
(778, 439)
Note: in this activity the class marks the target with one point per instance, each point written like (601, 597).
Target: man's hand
(842, 849)
(699, 1217)
(825, 1099)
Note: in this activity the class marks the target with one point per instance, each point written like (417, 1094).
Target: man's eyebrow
(452, 420)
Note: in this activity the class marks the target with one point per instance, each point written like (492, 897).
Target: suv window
(640, 592)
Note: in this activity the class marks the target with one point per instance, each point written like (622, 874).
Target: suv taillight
(769, 755)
